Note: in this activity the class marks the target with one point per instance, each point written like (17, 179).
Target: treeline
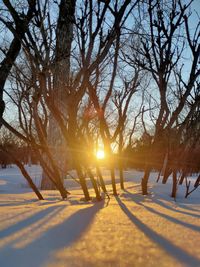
(23, 154)
(184, 160)
(11, 146)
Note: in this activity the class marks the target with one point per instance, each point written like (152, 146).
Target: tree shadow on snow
(18, 203)
(172, 250)
(41, 250)
(46, 201)
(34, 218)
(163, 204)
(18, 215)
(139, 199)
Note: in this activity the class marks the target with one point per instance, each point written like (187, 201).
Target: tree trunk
(94, 184)
(26, 175)
(107, 145)
(166, 175)
(102, 184)
(112, 173)
(174, 185)
(197, 182)
(53, 174)
(145, 180)
(46, 183)
(182, 178)
(159, 174)
(121, 176)
(64, 37)
(121, 173)
(82, 182)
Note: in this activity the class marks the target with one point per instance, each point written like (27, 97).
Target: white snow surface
(129, 230)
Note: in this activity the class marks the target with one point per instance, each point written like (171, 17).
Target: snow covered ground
(129, 230)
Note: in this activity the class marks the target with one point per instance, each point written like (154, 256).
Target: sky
(196, 15)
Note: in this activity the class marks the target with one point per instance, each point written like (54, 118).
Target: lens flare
(100, 154)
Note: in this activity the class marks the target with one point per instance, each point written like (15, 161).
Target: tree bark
(166, 175)
(64, 37)
(174, 185)
(145, 180)
(29, 180)
(121, 173)
(94, 183)
(82, 182)
(102, 183)
(112, 173)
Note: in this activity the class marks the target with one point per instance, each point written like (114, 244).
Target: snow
(129, 230)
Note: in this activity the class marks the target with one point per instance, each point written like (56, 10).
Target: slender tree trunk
(113, 181)
(145, 180)
(62, 189)
(121, 173)
(159, 174)
(46, 183)
(121, 176)
(166, 175)
(163, 167)
(197, 182)
(101, 180)
(174, 185)
(26, 175)
(182, 178)
(94, 184)
(112, 169)
(29, 180)
(52, 174)
(82, 182)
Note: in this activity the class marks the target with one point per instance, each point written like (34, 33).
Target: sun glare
(100, 154)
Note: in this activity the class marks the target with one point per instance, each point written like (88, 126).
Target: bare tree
(162, 48)
(45, 66)
(17, 25)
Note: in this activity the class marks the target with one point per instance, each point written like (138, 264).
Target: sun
(100, 154)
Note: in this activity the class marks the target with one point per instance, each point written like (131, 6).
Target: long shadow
(165, 244)
(139, 199)
(48, 200)
(15, 216)
(161, 203)
(30, 220)
(18, 203)
(185, 206)
(62, 235)
(172, 219)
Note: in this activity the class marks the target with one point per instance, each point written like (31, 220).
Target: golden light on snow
(100, 154)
